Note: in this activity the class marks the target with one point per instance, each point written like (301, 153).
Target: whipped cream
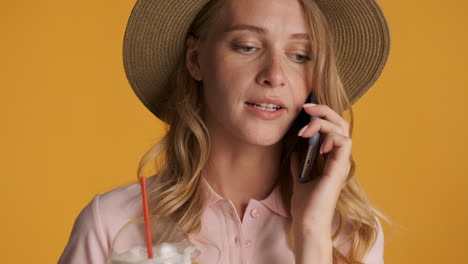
(164, 253)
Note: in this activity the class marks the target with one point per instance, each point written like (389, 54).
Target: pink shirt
(261, 237)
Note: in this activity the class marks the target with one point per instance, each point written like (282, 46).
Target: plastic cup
(170, 244)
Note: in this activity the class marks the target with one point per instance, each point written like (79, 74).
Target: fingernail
(302, 130)
(309, 105)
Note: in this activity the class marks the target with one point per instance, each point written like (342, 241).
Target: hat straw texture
(154, 42)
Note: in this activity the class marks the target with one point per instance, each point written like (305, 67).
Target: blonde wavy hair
(180, 156)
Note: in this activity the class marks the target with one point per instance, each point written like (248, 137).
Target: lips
(264, 114)
(270, 106)
(266, 101)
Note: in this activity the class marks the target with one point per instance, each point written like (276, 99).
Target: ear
(191, 57)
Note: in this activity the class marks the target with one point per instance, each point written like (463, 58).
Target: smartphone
(308, 147)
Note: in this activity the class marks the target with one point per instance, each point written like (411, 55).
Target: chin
(265, 139)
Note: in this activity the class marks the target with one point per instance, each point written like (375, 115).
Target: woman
(227, 166)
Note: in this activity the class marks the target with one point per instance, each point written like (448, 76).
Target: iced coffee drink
(170, 244)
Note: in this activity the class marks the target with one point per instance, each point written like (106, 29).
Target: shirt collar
(272, 201)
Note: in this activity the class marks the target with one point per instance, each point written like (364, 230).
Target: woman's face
(254, 53)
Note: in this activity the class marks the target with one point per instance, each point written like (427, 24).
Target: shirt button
(248, 243)
(254, 213)
(236, 240)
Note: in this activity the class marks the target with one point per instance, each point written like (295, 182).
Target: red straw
(149, 243)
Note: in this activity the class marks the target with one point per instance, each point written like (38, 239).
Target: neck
(239, 171)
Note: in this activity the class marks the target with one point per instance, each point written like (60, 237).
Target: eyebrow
(262, 31)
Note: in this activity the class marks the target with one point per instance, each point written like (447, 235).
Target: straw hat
(156, 31)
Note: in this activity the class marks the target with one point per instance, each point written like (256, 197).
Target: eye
(249, 49)
(302, 58)
(243, 49)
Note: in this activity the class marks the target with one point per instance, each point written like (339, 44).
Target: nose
(272, 74)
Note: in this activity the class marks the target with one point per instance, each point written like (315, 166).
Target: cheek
(230, 72)
(215, 96)
(228, 82)
(299, 88)
(220, 96)
(216, 67)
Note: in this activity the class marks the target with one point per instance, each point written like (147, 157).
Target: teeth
(270, 105)
(266, 107)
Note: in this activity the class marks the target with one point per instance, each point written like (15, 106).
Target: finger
(322, 125)
(327, 113)
(339, 149)
(339, 143)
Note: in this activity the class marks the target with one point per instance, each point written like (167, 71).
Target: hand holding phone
(309, 149)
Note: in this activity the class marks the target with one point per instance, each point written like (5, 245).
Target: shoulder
(120, 201)
(116, 207)
(376, 253)
(344, 243)
(99, 221)
(110, 210)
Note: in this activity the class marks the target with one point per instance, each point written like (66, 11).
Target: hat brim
(155, 39)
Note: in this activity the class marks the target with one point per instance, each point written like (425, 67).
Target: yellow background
(71, 127)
